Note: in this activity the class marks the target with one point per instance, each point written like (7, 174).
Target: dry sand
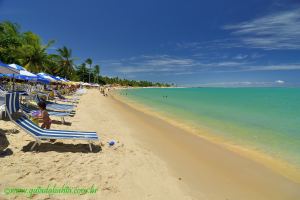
(151, 160)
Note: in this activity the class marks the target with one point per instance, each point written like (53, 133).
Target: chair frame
(38, 139)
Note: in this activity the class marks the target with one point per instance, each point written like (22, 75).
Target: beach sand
(151, 159)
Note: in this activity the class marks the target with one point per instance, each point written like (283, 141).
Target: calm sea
(264, 119)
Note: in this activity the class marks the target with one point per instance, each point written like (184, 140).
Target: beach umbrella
(28, 76)
(47, 77)
(56, 79)
(42, 80)
(6, 69)
(24, 74)
(61, 79)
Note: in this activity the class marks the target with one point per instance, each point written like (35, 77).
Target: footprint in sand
(106, 188)
(110, 177)
(21, 177)
(110, 188)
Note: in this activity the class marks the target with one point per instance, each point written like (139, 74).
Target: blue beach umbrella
(55, 78)
(24, 74)
(47, 77)
(65, 80)
(17, 67)
(59, 78)
(6, 69)
(62, 79)
(42, 80)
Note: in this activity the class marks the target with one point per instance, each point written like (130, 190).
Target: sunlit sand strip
(277, 165)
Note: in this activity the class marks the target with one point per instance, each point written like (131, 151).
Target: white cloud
(256, 55)
(274, 31)
(240, 57)
(280, 82)
(156, 63)
(224, 64)
(238, 84)
(171, 65)
(279, 30)
(167, 61)
(278, 67)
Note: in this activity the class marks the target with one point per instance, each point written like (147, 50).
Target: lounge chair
(80, 92)
(55, 106)
(27, 111)
(13, 105)
(60, 97)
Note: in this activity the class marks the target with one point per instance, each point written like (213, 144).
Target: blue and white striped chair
(27, 111)
(60, 97)
(13, 105)
(56, 106)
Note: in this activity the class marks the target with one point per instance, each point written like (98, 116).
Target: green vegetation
(27, 50)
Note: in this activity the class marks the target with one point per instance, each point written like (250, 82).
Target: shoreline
(206, 168)
(279, 166)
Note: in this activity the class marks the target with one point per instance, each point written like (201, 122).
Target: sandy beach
(151, 159)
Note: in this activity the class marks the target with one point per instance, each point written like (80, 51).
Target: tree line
(26, 49)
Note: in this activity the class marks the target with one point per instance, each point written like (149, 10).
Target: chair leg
(90, 145)
(32, 147)
(63, 120)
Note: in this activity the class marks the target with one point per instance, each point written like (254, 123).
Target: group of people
(104, 91)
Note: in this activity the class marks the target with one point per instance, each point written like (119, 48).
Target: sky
(188, 43)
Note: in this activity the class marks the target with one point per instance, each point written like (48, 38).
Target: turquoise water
(263, 119)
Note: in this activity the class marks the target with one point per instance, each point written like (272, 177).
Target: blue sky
(190, 43)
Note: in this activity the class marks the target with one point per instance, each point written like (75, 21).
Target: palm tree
(89, 62)
(96, 73)
(25, 48)
(82, 72)
(66, 62)
(33, 55)
(10, 41)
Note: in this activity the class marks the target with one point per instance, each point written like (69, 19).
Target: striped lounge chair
(60, 97)
(56, 106)
(13, 105)
(27, 111)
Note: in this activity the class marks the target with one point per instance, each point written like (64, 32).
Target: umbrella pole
(13, 89)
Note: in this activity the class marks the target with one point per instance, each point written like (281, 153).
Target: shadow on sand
(61, 147)
(6, 152)
(61, 123)
(4, 143)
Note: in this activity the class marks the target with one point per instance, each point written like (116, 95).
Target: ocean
(266, 120)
